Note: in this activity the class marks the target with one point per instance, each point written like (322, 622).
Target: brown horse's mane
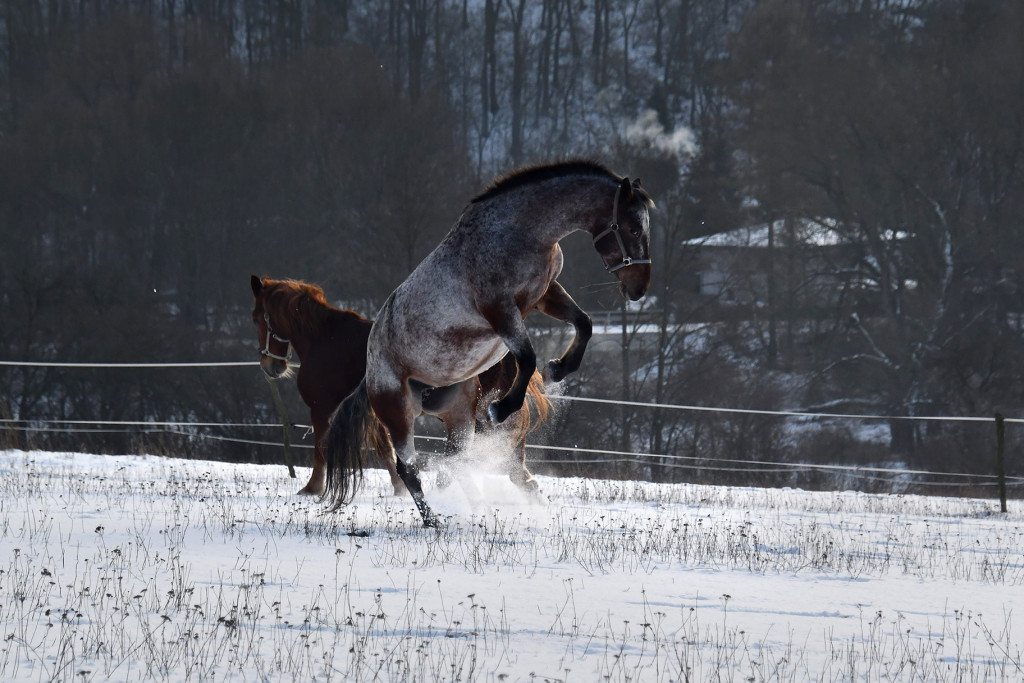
(301, 304)
(533, 174)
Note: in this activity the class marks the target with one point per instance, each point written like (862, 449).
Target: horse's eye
(635, 231)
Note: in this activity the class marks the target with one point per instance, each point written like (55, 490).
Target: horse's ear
(257, 285)
(627, 190)
(643, 193)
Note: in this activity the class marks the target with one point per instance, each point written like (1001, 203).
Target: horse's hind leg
(395, 410)
(410, 477)
(318, 478)
(556, 303)
(391, 463)
(412, 483)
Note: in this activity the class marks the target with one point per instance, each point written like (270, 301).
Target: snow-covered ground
(131, 568)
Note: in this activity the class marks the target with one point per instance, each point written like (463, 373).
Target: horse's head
(624, 243)
(275, 350)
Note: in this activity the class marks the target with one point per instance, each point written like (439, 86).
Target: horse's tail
(539, 400)
(353, 431)
(534, 411)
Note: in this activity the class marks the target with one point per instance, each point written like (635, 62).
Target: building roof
(817, 232)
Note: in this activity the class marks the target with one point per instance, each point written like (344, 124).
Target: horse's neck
(572, 204)
(304, 330)
(332, 322)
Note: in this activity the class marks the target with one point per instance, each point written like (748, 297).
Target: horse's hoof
(555, 371)
(494, 414)
(309, 490)
(531, 489)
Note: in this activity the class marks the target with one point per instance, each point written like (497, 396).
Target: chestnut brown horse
(331, 346)
(462, 309)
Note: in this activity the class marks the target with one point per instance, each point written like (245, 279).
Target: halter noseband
(613, 228)
(265, 351)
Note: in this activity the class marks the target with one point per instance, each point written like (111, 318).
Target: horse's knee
(555, 371)
(584, 326)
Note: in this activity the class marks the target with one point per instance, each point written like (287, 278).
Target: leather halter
(613, 228)
(265, 351)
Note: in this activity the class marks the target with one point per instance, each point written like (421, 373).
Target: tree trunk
(518, 69)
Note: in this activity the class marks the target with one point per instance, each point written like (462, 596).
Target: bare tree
(847, 141)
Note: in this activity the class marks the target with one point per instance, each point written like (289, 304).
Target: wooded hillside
(153, 155)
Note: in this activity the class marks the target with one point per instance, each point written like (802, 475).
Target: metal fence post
(279, 404)
(1000, 467)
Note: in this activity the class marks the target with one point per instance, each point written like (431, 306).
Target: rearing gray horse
(462, 309)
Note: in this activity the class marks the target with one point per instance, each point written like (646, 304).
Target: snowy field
(143, 568)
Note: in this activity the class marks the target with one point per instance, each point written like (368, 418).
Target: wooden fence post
(279, 404)
(1000, 467)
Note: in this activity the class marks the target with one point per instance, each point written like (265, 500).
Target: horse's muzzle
(632, 293)
(273, 367)
(634, 281)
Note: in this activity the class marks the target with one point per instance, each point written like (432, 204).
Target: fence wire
(667, 461)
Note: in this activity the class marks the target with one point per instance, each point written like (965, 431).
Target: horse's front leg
(508, 323)
(317, 479)
(556, 303)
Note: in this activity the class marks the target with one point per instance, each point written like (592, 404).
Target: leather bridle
(613, 228)
(265, 351)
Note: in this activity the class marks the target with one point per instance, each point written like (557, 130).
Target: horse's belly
(484, 357)
(439, 362)
(438, 347)
(432, 330)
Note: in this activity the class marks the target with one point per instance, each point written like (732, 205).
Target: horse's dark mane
(533, 174)
(300, 302)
